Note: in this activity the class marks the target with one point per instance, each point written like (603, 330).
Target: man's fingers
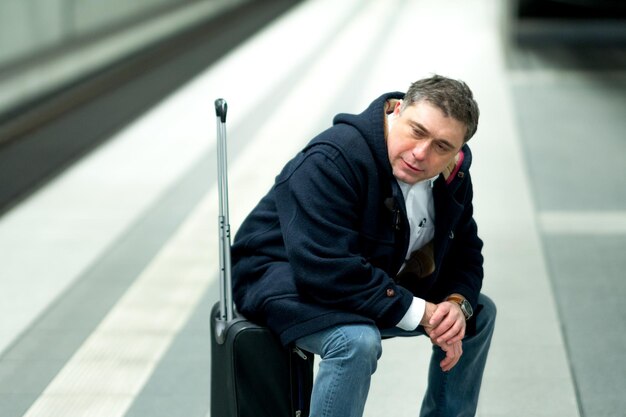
(447, 329)
(453, 354)
(439, 314)
(449, 351)
(441, 321)
(453, 335)
(448, 362)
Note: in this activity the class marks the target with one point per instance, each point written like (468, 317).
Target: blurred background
(107, 174)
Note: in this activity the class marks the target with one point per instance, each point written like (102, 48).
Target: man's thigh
(359, 336)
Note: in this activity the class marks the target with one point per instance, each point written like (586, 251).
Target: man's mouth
(411, 167)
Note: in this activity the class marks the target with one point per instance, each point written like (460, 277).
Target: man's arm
(318, 204)
(462, 267)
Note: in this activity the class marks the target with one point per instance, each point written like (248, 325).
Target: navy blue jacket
(324, 245)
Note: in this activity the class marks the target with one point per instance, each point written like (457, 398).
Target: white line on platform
(583, 222)
(110, 368)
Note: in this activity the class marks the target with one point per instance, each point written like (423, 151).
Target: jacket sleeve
(317, 201)
(462, 267)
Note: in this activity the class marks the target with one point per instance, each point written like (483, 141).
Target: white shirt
(420, 209)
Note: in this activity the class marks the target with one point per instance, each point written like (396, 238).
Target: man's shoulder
(341, 141)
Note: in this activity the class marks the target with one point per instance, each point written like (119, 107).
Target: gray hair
(453, 97)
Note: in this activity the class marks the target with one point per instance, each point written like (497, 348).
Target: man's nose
(420, 150)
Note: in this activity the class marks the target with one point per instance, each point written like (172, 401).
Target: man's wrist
(464, 305)
(429, 310)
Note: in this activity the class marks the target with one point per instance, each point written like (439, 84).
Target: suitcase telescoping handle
(226, 312)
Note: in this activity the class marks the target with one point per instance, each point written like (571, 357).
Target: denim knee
(357, 343)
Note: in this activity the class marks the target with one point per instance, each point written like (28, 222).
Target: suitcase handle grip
(220, 109)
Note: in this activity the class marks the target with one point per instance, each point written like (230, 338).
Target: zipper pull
(396, 219)
(300, 353)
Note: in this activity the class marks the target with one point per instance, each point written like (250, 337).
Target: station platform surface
(108, 274)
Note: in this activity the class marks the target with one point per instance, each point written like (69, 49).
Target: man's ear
(396, 109)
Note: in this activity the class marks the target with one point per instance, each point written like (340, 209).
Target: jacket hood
(371, 124)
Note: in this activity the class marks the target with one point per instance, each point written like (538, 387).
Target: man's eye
(441, 147)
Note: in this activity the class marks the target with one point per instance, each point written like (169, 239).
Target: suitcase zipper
(300, 353)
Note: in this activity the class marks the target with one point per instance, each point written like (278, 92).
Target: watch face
(467, 309)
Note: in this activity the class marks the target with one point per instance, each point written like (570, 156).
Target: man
(369, 232)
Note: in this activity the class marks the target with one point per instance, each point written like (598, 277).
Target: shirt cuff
(413, 315)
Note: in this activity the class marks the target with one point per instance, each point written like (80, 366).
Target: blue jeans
(349, 356)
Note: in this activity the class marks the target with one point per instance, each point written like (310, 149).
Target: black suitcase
(252, 374)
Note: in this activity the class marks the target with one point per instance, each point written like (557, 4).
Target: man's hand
(453, 354)
(445, 324)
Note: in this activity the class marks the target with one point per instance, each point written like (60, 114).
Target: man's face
(422, 141)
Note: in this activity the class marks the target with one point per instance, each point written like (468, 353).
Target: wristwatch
(465, 305)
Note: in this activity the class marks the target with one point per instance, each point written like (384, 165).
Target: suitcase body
(252, 374)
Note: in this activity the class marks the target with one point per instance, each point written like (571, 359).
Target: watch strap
(461, 301)
(455, 298)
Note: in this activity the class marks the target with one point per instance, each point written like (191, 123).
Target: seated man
(369, 232)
